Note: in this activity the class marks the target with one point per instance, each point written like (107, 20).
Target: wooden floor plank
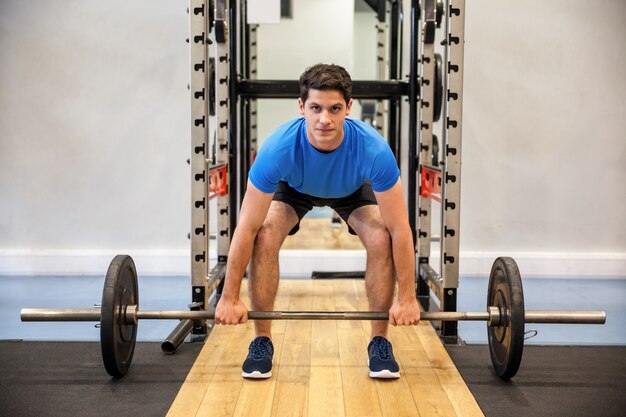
(428, 394)
(389, 391)
(346, 300)
(359, 391)
(223, 390)
(189, 398)
(395, 396)
(443, 375)
(326, 388)
(292, 380)
(460, 397)
(257, 395)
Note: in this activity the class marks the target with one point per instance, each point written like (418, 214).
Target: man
(323, 159)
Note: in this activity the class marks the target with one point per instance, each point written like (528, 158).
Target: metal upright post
(248, 105)
(427, 101)
(412, 136)
(395, 65)
(222, 114)
(244, 104)
(381, 61)
(253, 104)
(451, 186)
(233, 137)
(199, 88)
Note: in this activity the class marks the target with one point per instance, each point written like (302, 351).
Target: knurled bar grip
(531, 316)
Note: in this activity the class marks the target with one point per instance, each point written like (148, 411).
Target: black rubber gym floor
(555, 381)
(68, 379)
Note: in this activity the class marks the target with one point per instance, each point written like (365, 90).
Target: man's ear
(348, 107)
(301, 105)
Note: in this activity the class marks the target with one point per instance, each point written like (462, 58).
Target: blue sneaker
(381, 362)
(258, 364)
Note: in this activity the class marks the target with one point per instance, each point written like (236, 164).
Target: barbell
(119, 316)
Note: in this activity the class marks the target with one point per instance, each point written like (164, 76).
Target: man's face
(324, 112)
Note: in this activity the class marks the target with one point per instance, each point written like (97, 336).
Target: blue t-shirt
(288, 156)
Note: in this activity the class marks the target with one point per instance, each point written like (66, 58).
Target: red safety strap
(431, 183)
(218, 181)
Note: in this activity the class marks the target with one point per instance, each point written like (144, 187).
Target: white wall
(544, 133)
(286, 49)
(364, 46)
(94, 126)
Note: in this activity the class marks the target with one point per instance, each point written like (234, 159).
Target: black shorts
(344, 206)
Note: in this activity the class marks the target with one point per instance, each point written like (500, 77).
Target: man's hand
(404, 313)
(230, 312)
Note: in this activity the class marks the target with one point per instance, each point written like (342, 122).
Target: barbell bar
(492, 316)
(119, 315)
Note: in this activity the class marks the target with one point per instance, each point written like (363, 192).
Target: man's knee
(378, 241)
(269, 238)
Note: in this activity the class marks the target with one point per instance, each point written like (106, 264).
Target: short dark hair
(325, 77)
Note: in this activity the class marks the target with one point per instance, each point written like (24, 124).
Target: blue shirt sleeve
(264, 173)
(275, 158)
(385, 172)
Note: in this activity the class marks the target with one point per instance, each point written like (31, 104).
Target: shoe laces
(260, 347)
(382, 347)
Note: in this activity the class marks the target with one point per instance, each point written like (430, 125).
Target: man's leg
(367, 222)
(263, 284)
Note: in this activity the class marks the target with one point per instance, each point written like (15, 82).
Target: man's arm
(393, 209)
(230, 309)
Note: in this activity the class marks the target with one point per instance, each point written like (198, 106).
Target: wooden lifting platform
(320, 367)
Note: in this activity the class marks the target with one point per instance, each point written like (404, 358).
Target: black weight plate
(117, 339)
(211, 6)
(439, 15)
(506, 341)
(211, 73)
(220, 31)
(435, 153)
(438, 89)
(429, 33)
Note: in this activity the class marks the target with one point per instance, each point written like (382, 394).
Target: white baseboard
(300, 263)
(91, 262)
(550, 264)
(295, 263)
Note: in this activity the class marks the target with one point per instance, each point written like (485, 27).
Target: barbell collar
(130, 316)
(495, 317)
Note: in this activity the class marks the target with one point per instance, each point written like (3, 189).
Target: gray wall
(94, 125)
(544, 131)
(94, 121)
